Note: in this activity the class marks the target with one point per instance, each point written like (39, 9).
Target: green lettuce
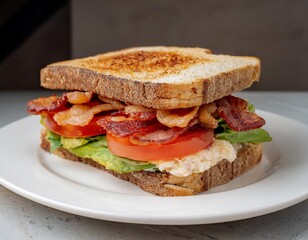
(73, 142)
(96, 149)
(258, 135)
(54, 140)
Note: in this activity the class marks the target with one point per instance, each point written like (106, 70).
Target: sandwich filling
(199, 162)
(127, 138)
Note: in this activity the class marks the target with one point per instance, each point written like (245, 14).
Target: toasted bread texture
(165, 184)
(157, 77)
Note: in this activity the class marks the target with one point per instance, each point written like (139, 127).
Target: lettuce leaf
(101, 154)
(96, 149)
(73, 142)
(258, 135)
(252, 136)
(54, 140)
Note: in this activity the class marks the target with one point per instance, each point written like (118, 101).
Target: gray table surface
(21, 218)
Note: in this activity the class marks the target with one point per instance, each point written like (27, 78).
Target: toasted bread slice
(157, 77)
(165, 184)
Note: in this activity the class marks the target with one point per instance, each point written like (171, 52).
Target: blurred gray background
(275, 31)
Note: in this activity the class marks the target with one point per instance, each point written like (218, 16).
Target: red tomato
(92, 129)
(186, 144)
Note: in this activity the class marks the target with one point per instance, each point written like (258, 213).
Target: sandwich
(163, 118)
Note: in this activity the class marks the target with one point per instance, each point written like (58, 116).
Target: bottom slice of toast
(166, 184)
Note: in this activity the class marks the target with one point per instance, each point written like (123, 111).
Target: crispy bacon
(176, 117)
(137, 108)
(115, 103)
(80, 115)
(122, 126)
(50, 104)
(143, 116)
(140, 132)
(77, 97)
(162, 135)
(140, 112)
(205, 115)
(235, 112)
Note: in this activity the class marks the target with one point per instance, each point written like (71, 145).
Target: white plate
(278, 182)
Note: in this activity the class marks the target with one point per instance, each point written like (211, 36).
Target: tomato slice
(90, 130)
(186, 144)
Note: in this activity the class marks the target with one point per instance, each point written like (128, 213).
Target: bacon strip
(205, 115)
(78, 97)
(116, 104)
(159, 136)
(140, 112)
(50, 104)
(176, 117)
(235, 112)
(80, 115)
(143, 116)
(122, 126)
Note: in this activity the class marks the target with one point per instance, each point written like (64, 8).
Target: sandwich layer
(157, 77)
(165, 184)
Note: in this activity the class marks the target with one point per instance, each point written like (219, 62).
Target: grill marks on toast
(155, 64)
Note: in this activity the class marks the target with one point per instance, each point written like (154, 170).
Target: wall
(276, 31)
(49, 42)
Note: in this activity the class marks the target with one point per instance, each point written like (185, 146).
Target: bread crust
(167, 185)
(157, 77)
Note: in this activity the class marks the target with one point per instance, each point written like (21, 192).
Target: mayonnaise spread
(200, 161)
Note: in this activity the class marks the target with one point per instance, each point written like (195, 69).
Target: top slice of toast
(158, 77)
